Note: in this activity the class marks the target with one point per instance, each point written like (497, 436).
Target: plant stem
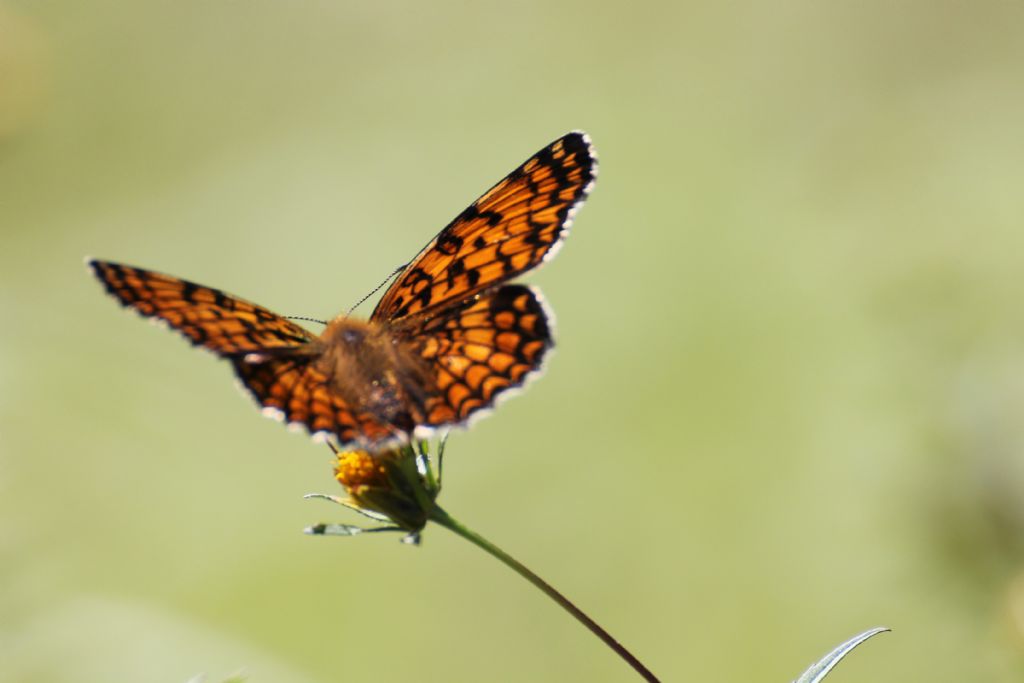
(441, 517)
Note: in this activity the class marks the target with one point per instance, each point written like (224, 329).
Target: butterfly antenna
(312, 320)
(376, 289)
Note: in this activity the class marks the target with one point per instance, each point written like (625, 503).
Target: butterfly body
(448, 338)
(374, 370)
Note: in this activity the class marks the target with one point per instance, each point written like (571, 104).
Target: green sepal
(345, 529)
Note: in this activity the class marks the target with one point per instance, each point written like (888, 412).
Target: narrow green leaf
(818, 671)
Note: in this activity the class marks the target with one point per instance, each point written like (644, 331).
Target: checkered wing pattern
(447, 340)
(483, 350)
(208, 317)
(512, 228)
(296, 392)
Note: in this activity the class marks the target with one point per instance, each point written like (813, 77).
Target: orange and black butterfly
(446, 340)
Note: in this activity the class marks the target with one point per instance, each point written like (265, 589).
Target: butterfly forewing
(509, 230)
(208, 317)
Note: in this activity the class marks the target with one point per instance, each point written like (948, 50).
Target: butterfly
(447, 339)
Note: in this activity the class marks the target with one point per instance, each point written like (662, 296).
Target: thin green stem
(441, 517)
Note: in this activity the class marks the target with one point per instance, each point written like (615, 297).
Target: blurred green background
(786, 405)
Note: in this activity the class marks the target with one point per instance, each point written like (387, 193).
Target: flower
(394, 485)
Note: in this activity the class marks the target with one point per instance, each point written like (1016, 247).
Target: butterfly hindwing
(512, 228)
(482, 350)
(208, 317)
(295, 391)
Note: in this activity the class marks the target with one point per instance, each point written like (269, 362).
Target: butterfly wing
(222, 323)
(479, 351)
(512, 228)
(295, 391)
(271, 355)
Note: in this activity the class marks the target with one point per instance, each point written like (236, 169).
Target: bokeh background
(786, 404)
